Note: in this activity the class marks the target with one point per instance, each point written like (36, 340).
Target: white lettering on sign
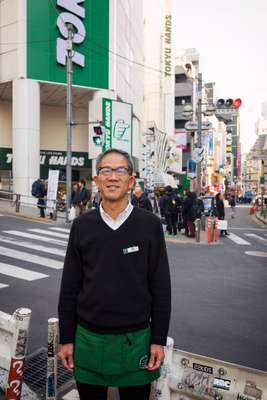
(222, 383)
(168, 42)
(80, 33)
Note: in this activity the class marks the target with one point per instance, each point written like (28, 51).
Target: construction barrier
(187, 376)
(52, 350)
(209, 230)
(197, 224)
(13, 345)
(215, 222)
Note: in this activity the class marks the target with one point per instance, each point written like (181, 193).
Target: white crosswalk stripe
(253, 235)
(32, 258)
(2, 285)
(20, 273)
(49, 233)
(37, 237)
(65, 230)
(20, 246)
(33, 246)
(238, 240)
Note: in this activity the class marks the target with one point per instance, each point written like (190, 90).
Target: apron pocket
(88, 351)
(137, 350)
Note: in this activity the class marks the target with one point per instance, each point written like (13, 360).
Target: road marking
(60, 229)
(238, 240)
(32, 258)
(256, 237)
(32, 246)
(256, 253)
(72, 395)
(248, 228)
(1, 215)
(37, 237)
(49, 233)
(2, 285)
(20, 273)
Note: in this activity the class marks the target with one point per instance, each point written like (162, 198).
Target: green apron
(112, 360)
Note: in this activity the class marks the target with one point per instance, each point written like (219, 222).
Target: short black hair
(117, 151)
(82, 181)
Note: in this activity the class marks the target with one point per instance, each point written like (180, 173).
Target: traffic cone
(216, 229)
(208, 230)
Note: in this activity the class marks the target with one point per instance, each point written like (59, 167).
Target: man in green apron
(114, 305)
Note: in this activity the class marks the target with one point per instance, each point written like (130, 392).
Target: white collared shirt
(116, 223)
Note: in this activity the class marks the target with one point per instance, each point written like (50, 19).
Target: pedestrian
(80, 198)
(171, 205)
(189, 214)
(140, 199)
(74, 194)
(232, 204)
(39, 191)
(114, 304)
(219, 211)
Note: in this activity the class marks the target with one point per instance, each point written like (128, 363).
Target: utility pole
(69, 120)
(199, 129)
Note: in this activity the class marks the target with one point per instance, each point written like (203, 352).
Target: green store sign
(47, 41)
(49, 159)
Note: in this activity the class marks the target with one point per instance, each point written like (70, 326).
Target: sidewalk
(260, 217)
(28, 211)
(182, 239)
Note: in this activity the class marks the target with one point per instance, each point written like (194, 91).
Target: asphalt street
(219, 292)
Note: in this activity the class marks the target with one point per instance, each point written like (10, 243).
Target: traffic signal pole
(69, 121)
(199, 129)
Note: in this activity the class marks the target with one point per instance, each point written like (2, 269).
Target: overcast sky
(231, 37)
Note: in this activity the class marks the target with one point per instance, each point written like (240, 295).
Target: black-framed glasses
(107, 171)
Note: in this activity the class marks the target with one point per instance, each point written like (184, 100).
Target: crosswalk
(42, 250)
(250, 238)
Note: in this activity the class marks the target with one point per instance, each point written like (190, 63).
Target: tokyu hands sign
(48, 43)
(73, 13)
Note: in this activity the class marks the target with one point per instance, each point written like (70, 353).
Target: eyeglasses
(107, 171)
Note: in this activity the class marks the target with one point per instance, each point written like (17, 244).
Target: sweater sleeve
(160, 287)
(70, 287)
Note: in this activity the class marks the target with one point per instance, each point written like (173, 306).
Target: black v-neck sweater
(116, 281)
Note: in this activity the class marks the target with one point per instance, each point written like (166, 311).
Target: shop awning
(163, 179)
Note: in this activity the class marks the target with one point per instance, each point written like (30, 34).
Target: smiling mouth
(113, 187)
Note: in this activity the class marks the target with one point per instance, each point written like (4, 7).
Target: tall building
(111, 53)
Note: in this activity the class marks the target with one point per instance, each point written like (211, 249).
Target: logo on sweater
(132, 249)
(143, 362)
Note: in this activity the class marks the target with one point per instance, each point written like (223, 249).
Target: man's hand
(66, 356)
(156, 357)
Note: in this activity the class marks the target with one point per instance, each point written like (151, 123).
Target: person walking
(140, 199)
(172, 204)
(189, 214)
(232, 204)
(115, 300)
(219, 211)
(80, 198)
(39, 191)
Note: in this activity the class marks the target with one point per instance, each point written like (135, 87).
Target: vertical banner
(181, 139)
(52, 189)
(117, 121)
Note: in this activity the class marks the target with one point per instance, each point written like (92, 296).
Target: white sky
(231, 37)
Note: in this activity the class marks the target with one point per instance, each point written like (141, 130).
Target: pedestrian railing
(19, 201)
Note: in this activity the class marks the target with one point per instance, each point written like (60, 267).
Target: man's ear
(96, 180)
(132, 182)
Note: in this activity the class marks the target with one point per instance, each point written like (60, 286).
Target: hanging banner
(181, 139)
(117, 121)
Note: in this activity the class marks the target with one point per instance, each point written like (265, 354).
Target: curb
(175, 241)
(27, 216)
(264, 221)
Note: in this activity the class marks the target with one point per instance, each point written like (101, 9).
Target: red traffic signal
(98, 130)
(237, 103)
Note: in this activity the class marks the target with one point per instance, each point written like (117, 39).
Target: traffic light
(98, 135)
(228, 103)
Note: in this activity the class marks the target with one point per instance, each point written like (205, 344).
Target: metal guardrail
(16, 200)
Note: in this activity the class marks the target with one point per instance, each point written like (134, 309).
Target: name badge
(132, 249)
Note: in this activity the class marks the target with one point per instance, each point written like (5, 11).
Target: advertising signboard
(117, 122)
(47, 41)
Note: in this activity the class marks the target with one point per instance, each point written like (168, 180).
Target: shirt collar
(125, 212)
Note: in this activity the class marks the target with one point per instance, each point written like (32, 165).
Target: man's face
(114, 186)
(138, 191)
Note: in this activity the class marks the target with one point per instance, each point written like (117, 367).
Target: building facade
(109, 62)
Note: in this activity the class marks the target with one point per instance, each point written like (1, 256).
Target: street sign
(198, 154)
(193, 126)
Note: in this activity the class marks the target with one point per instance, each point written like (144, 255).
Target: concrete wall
(5, 124)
